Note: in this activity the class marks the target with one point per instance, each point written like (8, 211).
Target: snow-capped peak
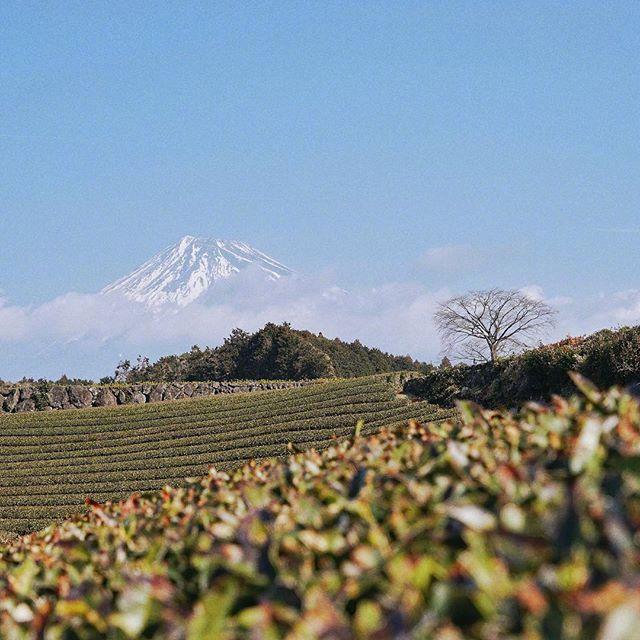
(184, 271)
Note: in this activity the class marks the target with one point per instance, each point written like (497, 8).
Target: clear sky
(384, 140)
(410, 147)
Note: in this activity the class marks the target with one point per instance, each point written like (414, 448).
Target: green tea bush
(607, 358)
(497, 525)
(613, 357)
(107, 453)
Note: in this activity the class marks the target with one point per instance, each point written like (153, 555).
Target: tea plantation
(492, 526)
(52, 462)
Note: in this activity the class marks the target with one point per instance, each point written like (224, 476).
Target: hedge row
(176, 408)
(53, 461)
(197, 423)
(607, 358)
(55, 454)
(192, 450)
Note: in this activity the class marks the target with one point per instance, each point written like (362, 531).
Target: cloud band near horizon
(85, 335)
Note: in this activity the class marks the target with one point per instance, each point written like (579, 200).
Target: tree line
(275, 352)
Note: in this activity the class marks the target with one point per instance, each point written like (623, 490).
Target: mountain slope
(184, 271)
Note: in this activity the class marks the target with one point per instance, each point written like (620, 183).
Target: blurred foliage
(494, 526)
(606, 357)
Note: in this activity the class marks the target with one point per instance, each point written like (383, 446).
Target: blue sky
(449, 144)
(355, 135)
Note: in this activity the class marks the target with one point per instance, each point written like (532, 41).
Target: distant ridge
(183, 272)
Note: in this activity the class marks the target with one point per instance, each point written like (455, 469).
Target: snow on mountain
(186, 270)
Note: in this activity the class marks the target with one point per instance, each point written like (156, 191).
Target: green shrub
(443, 386)
(613, 357)
(494, 526)
(533, 375)
(275, 352)
(607, 358)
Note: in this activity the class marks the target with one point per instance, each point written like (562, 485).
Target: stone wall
(35, 397)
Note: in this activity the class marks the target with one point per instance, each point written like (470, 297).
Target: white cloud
(13, 321)
(536, 292)
(586, 314)
(86, 334)
(533, 291)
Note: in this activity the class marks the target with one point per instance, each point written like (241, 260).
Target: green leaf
(210, 617)
(22, 578)
(357, 430)
(588, 389)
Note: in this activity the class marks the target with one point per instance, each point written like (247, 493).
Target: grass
(491, 526)
(53, 461)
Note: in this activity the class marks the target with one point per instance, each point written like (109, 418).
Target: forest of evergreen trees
(275, 352)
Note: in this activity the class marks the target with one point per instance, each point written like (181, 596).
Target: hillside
(52, 461)
(275, 352)
(521, 527)
(606, 358)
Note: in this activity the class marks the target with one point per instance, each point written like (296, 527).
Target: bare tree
(484, 325)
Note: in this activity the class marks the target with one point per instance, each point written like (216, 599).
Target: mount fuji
(187, 270)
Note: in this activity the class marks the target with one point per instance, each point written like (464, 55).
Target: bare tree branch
(484, 325)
